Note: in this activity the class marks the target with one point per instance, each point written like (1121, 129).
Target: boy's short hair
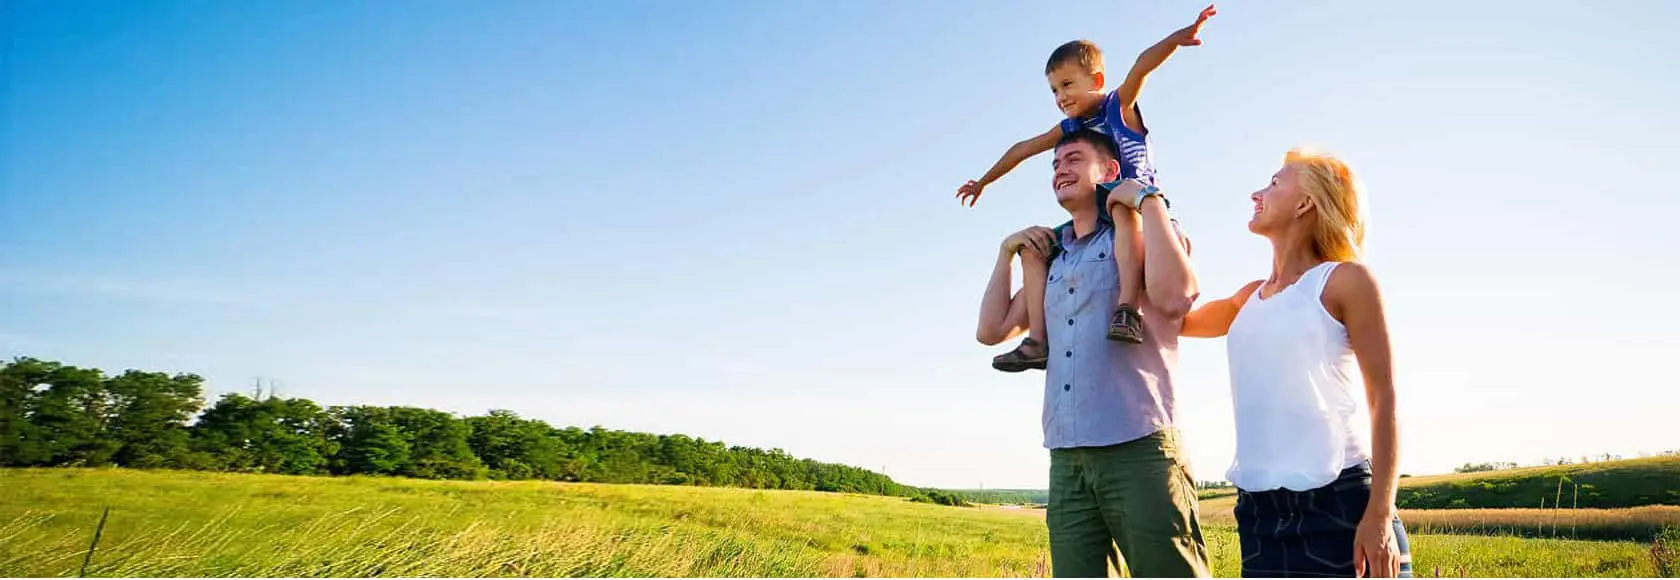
(1080, 52)
(1098, 141)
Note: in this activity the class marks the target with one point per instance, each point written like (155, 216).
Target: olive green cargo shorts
(1136, 496)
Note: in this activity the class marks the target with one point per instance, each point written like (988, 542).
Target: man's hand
(1187, 36)
(1037, 239)
(970, 192)
(1375, 553)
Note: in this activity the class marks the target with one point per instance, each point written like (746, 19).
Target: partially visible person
(1316, 453)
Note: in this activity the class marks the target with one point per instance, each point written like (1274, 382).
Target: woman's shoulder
(1349, 274)
(1348, 283)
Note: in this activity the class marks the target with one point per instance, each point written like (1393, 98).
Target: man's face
(1079, 167)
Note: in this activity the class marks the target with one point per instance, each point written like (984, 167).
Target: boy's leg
(1033, 353)
(1127, 324)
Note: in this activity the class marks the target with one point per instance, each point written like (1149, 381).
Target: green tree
(67, 417)
(437, 443)
(19, 443)
(369, 442)
(272, 435)
(515, 448)
(56, 415)
(149, 414)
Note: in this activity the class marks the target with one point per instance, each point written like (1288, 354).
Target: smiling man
(1117, 475)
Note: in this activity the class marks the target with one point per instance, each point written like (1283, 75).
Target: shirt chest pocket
(1098, 270)
(1090, 273)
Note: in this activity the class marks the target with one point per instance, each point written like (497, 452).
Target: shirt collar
(1069, 238)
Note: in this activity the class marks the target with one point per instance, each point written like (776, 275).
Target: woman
(1315, 461)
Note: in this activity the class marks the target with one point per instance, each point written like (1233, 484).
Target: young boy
(1075, 72)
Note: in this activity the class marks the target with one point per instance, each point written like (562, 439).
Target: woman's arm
(1213, 319)
(1352, 297)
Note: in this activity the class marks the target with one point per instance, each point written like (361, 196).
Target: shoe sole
(1126, 339)
(1016, 367)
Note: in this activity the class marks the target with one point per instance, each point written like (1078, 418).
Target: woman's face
(1278, 204)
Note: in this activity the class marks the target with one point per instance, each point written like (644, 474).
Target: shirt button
(1070, 290)
(1101, 255)
(1067, 387)
(1070, 353)
(1070, 322)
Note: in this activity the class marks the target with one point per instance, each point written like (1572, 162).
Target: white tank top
(1299, 399)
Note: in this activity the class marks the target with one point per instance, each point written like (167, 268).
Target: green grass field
(1609, 484)
(203, 524)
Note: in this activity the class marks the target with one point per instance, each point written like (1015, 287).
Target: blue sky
(735, 220)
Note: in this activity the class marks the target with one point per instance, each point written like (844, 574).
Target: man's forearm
(1168, 279)
(994, 303)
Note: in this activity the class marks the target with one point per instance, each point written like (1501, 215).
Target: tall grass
(1641, 523)
(197, 524)
(1634, 524)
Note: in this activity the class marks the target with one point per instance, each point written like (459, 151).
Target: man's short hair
(1082, 53)
(1098, 141)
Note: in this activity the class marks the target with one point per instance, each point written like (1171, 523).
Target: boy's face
(1077, 92)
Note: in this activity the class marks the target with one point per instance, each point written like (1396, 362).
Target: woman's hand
(1376, 554)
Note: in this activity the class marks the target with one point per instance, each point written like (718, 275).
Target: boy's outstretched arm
(1152, 58)
(970, 192)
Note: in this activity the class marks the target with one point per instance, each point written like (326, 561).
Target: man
(1117, 475)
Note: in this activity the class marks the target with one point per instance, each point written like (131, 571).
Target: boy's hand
(1036, 239)
(970, 192)
(1187, 36)
(1124, 194)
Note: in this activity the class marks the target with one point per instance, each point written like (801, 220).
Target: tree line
(56, 415)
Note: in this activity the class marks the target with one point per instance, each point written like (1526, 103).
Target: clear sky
(736, 220)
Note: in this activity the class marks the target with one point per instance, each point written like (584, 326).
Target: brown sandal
(1019, 360)
(1126, 326)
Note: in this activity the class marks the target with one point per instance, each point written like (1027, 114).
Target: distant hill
(1607, 484)
(1003, 496)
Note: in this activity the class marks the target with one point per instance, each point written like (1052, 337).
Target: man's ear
(1111, 170)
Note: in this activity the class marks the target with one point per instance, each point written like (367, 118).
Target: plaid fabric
(1308, 533)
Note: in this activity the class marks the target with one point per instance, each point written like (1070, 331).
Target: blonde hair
(1339, 200)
